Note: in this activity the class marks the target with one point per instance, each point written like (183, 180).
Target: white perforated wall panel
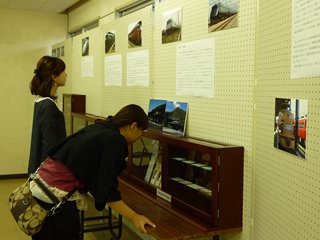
(90, 86)
(226, 117)
(286, 201)
(115, 97)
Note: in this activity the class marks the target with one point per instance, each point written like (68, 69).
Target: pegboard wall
(286, 199)
(226, 117)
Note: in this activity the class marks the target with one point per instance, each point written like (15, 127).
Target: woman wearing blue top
(48, 121)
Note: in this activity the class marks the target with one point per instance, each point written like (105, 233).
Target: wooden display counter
(170, 225)
(189, 188)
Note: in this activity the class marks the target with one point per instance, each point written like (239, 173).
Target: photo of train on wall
(85, 46)
(109, 42)
(290, 125)
(222, 14)
(134, 35)
(171, 25)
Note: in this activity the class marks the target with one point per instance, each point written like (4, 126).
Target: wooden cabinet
(72, 103)
(199, 180)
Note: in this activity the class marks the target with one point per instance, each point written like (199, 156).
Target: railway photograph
(222, 14)
(109, 42)
(156, 113)
(85, 46)
(171, 25)
(175, 118)
(290, 125)
(134, 35)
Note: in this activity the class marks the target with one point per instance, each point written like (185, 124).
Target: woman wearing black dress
(48, 121)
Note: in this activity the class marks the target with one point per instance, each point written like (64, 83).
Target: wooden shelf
(170, 224)
(188, 215)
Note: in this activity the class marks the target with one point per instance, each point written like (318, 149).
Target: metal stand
(107, 222)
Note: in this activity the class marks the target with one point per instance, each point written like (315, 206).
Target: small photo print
(58, 52)
(109, 42)
(171, 25)
(85, 46)
(62, 51)
(134, 34)
(222, 14)
(175, 118)
(156, 113)
(290, 125)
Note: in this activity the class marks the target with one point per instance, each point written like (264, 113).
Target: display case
(72, 103)
(199, 180)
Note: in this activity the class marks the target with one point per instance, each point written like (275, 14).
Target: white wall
(287, 192)
(227, 117)
(25, 37)
(281, 192)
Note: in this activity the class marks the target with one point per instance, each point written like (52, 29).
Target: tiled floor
(10, 231)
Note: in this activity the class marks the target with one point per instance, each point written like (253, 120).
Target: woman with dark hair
(48, 121)
(89, 160)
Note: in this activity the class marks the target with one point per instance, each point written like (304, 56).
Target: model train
(219, 12)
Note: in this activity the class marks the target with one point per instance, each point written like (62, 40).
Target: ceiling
(53, 6)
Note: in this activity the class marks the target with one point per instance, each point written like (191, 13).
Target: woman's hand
(140, 221)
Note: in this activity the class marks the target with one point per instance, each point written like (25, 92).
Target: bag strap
(57, 207)
(50, 195)
(58, 204)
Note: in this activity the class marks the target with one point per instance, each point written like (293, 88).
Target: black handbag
(27, 212)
